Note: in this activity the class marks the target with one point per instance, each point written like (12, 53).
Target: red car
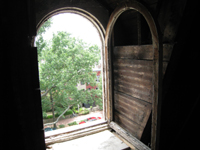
(90, 119)
(82, 122)
(93, 118)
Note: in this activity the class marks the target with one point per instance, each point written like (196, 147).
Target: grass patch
(61, 126)
(84, 112)
(72, 123)
(46, 116)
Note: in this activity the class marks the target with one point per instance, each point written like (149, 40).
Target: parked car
(93, 118)
(48, 129)
(90, 119)
(82, 122)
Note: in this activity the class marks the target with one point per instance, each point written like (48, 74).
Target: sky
(75, 24)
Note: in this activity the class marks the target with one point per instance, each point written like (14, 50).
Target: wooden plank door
(134, 75)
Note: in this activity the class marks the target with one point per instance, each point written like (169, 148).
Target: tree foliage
(64, 62)
(40, 42)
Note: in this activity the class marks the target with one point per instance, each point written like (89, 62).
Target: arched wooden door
(133, 79)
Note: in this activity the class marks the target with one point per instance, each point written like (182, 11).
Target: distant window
(98, 79)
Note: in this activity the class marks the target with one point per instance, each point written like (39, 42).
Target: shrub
(69, 112)
(74, 109)
(57, 115)
(49, 116)
(72, 123)
(80, 110)
(84, 112)
(61, 126)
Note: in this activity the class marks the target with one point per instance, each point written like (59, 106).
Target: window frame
(157, 72)
(89, 128)
(106, 71)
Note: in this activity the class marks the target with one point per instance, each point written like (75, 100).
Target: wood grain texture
(134, 77)
(130, 126)
(141, 52)
(127, 136)
(134, 109)
(157, 72)
(134, 52)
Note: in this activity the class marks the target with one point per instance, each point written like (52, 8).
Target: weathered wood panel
(135, 92)
(130, 126)
(130, 67)
(134, 109)
(133, 86)
(134, 77)
(141, 52)
(126, 135)
(156, 65)
(134, 52)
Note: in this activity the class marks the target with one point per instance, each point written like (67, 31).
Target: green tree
(40, 42)
(64, 62)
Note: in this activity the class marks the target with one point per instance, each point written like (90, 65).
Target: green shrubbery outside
(82, 111)
(72, 123)
(45, 116)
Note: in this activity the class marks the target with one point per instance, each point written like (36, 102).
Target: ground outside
(65, 122)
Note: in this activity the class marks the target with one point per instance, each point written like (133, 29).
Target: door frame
(157, 66)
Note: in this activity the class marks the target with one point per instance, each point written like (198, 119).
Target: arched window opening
(70, 69)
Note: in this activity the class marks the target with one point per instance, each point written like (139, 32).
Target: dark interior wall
(22, 126)
(131, 28)
(179, 123)
(21, 116)
(178, 26)
(94, 7)
(21, 106)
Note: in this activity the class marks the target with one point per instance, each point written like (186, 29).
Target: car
(82, 122)
(92, 119)
(47, 129)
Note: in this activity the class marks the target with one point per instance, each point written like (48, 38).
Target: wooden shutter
(134, 75)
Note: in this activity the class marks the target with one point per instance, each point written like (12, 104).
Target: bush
(72, 123)
(49, 116)
(80, 110)
(57, 115)
(84, 112)
(61, 126)
(69, 112)
(75, 110)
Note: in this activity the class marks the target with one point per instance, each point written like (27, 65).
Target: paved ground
(78, 118)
